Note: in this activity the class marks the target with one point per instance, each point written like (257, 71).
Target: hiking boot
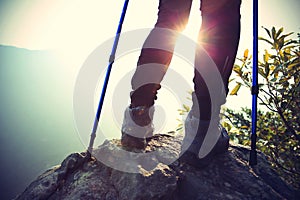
(197, 159)
(137, 126)
(203, 139)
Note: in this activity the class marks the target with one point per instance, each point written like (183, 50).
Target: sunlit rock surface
(156, 174)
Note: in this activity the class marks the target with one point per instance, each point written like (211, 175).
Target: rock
(156, 174)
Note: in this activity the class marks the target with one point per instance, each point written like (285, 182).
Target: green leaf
(226, 125)
(280, 52)
(230, 80)
(261, 72)
(280, 43)
(180, 128)
(236, 89)
(290, 42)
(266, 40)
(286, 35)
(246, 54)
(276, 70)
(187, 108)
(260, 85)
(266, 56)
(267, 70)
(267, 31)
(279, 32)
(274, 33)
(291, 66)
(237, 69)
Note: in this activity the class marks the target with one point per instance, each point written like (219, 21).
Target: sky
(44, 24)
(74, 28)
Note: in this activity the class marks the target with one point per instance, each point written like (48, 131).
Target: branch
(293, 93)
(265, 104)
(280, 165)
(289, 128)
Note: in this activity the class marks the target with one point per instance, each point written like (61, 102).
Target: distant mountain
(36, 119)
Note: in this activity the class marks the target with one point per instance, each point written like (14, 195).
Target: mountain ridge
(228, 176)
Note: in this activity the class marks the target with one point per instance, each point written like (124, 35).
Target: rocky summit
(115, 173)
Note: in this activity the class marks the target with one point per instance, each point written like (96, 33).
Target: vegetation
(278, 126)
(278, 123)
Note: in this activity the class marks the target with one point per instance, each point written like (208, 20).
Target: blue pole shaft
(255, 88)
(105, 84)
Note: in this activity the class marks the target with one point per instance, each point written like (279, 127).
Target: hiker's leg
(153, 62)
(219, 36)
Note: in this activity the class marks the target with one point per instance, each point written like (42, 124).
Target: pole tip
(88, 155)
(253, 158)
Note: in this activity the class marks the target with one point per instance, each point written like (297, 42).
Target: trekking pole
(255, 87)
(111, 61)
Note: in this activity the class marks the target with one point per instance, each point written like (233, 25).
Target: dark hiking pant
(219, 37)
